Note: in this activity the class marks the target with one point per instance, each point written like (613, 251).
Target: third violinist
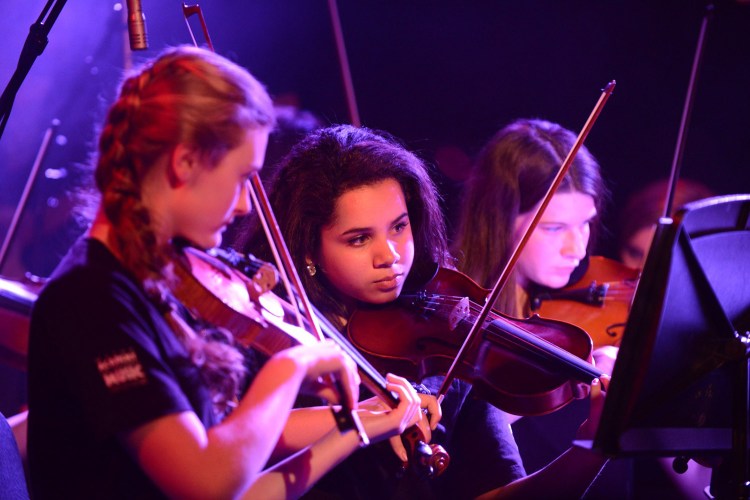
(510, 178)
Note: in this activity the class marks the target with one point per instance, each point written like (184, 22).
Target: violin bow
(686, 111)
(346, 419)
(190, 10)
(346, 73)
(505, 275)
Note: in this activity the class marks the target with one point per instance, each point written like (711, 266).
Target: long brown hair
(511, 175)
(186, 95)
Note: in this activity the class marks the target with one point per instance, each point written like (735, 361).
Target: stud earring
(311, 269)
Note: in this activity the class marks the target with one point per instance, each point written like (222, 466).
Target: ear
(183, 165)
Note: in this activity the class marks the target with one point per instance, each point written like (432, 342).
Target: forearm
(297, 474)
(307, 425)
(568, 476)
(304, 427)
(248, 436)
(187, 460)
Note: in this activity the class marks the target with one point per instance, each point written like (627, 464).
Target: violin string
(451, 301)
(331, 332)
(538, 346)
(508, 338)
(544, 349)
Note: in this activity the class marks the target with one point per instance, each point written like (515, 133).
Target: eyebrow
(355, 230)
(589, 219)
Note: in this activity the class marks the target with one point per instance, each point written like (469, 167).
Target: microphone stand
(33, 48)
(35, 44)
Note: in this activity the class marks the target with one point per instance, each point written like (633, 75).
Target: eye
(358, 240)
(551, 228)
(400, 226)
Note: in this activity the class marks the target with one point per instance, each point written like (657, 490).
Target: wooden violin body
(218, 294)
(599, 302)
(525, 367)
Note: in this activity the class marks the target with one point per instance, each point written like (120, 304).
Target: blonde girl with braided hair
(130, 396)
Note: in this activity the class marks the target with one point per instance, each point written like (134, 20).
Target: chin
(556, 282)
(206, 243)
(384, 298)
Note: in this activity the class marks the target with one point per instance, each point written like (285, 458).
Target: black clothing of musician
(476, 435)
(102, 384)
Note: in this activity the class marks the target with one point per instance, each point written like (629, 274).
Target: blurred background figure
(641, 212)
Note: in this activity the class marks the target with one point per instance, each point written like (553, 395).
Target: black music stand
(680, 383)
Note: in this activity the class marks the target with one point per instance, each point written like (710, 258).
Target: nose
(386, 254)
(576, 241)
(243, 205)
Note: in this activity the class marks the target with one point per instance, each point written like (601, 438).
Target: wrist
(421, 389)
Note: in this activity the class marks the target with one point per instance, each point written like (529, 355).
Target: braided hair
(186, 95)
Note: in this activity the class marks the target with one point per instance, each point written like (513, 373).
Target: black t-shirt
(475, 434)
(102, 362)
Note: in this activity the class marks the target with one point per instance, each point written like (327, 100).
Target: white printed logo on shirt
(121, 370)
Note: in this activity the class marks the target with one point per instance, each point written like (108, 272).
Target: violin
(526, 367)
(218, 293)
(599, 301)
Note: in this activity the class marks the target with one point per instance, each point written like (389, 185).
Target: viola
(220, 294)
(526, 367)
(599, 302)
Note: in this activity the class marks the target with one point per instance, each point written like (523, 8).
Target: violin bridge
(459, 312)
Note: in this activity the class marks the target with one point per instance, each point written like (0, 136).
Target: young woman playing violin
(362, 218)
(130, 396)
(511, 175)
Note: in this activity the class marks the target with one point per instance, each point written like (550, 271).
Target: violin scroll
(428, 460)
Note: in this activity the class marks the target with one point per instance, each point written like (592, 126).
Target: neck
(101, 229)
(522, 301)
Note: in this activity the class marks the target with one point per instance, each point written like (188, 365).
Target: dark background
(441, 75)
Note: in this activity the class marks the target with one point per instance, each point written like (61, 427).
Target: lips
(389, 283)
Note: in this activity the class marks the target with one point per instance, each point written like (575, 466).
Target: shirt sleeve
(114, 354)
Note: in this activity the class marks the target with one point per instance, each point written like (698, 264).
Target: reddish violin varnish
(599, 302)
(525, 367)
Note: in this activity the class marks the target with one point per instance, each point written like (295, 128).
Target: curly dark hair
(329, 162)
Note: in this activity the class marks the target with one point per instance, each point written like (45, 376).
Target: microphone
(137, 26)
